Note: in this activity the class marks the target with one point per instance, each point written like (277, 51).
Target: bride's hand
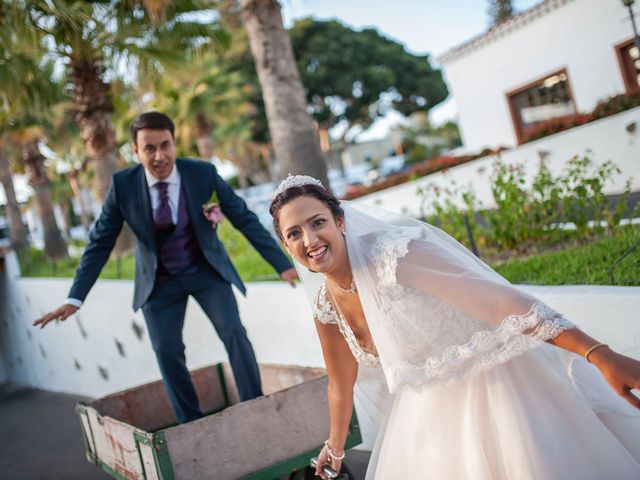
(325, 459)
(622, 373)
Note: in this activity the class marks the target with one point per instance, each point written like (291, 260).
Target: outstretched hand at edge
(61, 313)
(622, 373)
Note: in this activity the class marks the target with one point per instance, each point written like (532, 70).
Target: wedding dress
(464, 385)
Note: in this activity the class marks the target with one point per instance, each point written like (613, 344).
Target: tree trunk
(77, 193)
(54, 245)
(204, 138)
(17, 230)
(294, 140)
(93, 110)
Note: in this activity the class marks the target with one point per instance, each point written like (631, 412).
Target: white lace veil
(435, 311)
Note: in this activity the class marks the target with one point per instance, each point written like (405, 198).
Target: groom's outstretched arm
(102, 238)
(236, 210)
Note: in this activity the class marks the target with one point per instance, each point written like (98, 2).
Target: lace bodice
(325, 313)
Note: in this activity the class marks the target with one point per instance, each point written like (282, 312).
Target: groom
(178, 255)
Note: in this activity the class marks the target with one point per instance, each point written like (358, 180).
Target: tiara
(296, 181)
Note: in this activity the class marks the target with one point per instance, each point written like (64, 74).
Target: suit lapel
(145, 209)
(193, 207)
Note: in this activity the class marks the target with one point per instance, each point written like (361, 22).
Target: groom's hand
(61, 313)
(290, 275)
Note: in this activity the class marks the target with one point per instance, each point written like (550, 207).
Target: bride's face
(312, 235)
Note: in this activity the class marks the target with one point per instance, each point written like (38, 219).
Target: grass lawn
(586, 264)
(251, 266)
(574, 265)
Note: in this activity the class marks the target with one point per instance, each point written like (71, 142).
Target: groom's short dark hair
(153, 121)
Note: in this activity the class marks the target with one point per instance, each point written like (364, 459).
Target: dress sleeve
(470, 286)
(322, 309)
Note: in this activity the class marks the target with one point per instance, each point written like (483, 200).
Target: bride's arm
(622, 373)
(342, 370)
(480, 292)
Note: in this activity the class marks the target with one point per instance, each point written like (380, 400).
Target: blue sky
(423, 26)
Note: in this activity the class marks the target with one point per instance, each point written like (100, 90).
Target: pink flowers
(211, 211)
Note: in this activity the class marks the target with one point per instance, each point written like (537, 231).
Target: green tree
(500, 10)
(356, 76)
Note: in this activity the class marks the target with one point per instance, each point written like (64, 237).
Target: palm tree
(105, 39)
(28, 97)
(38, 178)
(17, 229)
(295, 141)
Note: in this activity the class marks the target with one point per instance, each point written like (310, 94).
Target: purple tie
(162, 214)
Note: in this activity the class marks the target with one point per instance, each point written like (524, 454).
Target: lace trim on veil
(486, 348)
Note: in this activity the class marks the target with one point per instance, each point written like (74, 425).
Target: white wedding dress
(536, 416)
(464, 385)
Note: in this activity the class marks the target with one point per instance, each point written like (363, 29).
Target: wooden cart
(133, 435)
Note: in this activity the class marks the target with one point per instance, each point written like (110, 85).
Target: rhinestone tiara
(296, 181)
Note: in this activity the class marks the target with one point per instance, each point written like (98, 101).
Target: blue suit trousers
(164, 313)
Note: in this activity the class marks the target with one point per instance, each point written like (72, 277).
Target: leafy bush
(525, 215)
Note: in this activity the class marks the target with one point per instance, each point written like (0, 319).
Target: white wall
(579, 35)
(277, 318)
(607, 139)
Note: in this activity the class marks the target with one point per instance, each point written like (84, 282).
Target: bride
(480, 390)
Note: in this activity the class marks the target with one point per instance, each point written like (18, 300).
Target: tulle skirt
(530, 418)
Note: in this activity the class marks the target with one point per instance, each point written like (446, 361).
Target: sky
(422, 26)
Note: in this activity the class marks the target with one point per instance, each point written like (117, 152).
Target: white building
(556, 59)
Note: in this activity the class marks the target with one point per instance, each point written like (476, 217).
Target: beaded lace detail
(424, 363)
(326, 314)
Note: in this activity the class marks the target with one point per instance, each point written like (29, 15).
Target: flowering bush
(416, 171)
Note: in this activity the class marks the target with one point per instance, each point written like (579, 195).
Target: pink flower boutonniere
(211, 211)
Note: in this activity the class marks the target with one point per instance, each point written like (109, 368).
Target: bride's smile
(312, 235)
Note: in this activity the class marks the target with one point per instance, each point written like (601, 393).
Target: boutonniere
(211, 210)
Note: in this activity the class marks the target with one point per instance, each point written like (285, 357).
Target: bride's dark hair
(309, 190)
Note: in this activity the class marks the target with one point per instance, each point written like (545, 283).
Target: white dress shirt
(174, 197)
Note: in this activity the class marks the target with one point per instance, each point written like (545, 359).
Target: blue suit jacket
(128, 200)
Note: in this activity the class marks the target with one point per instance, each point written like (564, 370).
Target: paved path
(41, 439)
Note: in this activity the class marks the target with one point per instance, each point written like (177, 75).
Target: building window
(545, 99)
(629, 60)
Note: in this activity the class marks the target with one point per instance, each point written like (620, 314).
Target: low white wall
(82, 355)
(606, 139)
(105, 347)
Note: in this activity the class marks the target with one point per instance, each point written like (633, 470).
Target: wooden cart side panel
(287, 467)
(251, 436)
(115, 445)
(147, 456)
(87, 434)
(147, 407)
(276, 378)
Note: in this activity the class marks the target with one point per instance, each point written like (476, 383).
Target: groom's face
(156, 150)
